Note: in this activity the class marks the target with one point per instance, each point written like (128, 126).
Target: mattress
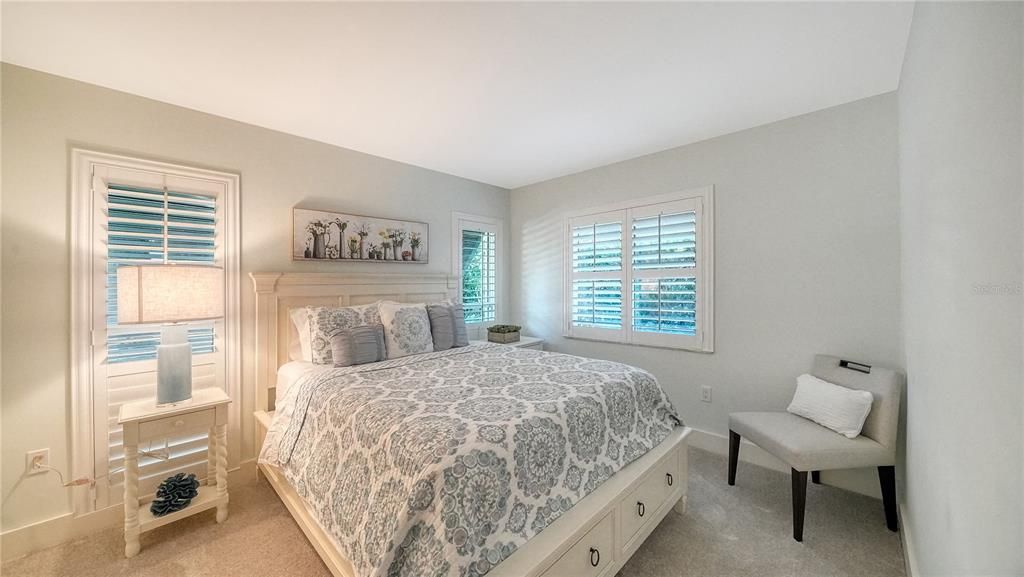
(445, 463)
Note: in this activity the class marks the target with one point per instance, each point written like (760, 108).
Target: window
(641, 272)
(137, 219)
(477, 246)
(130, 211)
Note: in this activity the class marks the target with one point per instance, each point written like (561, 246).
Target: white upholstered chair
(807, 446)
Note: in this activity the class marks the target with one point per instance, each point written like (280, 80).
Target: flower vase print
(336, 236)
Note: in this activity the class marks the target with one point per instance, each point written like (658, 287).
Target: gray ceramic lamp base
(173, 365)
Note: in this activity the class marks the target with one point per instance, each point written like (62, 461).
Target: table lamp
(170, 295)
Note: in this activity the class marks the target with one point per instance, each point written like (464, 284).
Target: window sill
(701, 350)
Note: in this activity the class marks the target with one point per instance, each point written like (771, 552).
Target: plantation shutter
(638, 275)
(147, 217)
(137, 219)
(665, 273)
(479, 274)
(597, 281)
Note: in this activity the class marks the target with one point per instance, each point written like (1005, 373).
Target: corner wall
(960, 126)
(806, 257)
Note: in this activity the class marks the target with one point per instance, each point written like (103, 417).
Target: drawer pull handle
(640, 508)
(595, 557)
(669, 479)
(179, 423)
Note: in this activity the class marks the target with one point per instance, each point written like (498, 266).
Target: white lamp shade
(169, 293)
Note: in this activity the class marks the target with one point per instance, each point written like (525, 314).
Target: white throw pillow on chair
(841, 409)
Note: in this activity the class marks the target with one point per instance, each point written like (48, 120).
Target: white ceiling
(507, 94)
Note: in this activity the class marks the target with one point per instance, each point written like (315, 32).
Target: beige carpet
(728, 531)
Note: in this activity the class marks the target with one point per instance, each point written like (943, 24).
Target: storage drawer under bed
(640, 507)
(592, 556)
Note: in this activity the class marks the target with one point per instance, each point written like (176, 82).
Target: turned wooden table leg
(211, 458)
(131, 500)
(222, 472)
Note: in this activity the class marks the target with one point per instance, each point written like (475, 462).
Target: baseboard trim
(906, 540)
(749, 452)
(48, 533)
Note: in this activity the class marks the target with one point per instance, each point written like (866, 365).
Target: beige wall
(961, 191)
(44, 116)
(806, 256)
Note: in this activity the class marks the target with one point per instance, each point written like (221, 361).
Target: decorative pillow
(448, 324)
(442, 326)
(358, 346)
(841, 409)
(324, 322)
(406, 329)
(459, 322)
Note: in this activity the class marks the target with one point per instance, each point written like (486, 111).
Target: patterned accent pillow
(406, 329)
(324, 322)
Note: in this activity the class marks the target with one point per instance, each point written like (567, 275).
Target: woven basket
(504, 338)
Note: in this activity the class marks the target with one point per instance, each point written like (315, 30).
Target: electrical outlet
(705, 394)
(35, 459)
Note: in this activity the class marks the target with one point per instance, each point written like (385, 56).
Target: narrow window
(478, 261)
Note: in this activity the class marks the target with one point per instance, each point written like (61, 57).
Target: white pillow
(841, 409)
(406, 329)
(299, 348)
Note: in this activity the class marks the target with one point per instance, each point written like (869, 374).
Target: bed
(479, 460)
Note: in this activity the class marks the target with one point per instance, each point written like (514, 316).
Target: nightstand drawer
(170, 426)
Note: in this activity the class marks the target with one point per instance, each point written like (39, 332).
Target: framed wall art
(337, 236)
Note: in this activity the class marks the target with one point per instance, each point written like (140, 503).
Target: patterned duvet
(443, 464)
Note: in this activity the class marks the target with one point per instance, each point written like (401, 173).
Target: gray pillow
(358, 346)
(448, 325)
(459, 323)
(442, 328)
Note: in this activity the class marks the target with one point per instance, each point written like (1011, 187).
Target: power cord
(38, 465)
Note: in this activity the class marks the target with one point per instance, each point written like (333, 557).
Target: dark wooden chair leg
(887, 478)
(734, 455)
(816, 477)
(799, 501)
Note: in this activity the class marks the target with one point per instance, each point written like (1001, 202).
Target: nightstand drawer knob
(179, 423)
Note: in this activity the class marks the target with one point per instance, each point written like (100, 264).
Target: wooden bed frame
(607, 526)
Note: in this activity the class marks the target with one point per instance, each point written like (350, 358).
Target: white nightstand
(523, 343)
(143, 422)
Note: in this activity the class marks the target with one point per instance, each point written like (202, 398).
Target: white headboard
(277, 293)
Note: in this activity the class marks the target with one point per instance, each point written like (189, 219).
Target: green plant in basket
(503, 333)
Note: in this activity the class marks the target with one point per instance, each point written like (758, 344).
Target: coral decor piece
(174, 494)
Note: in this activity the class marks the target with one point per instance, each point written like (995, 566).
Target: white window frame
(87, 284)
(465, 221)
(700, 200)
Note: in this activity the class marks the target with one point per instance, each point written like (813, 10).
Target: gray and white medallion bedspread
(443, 464)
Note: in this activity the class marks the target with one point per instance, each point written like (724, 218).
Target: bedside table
(144, 421)
(522, 343)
